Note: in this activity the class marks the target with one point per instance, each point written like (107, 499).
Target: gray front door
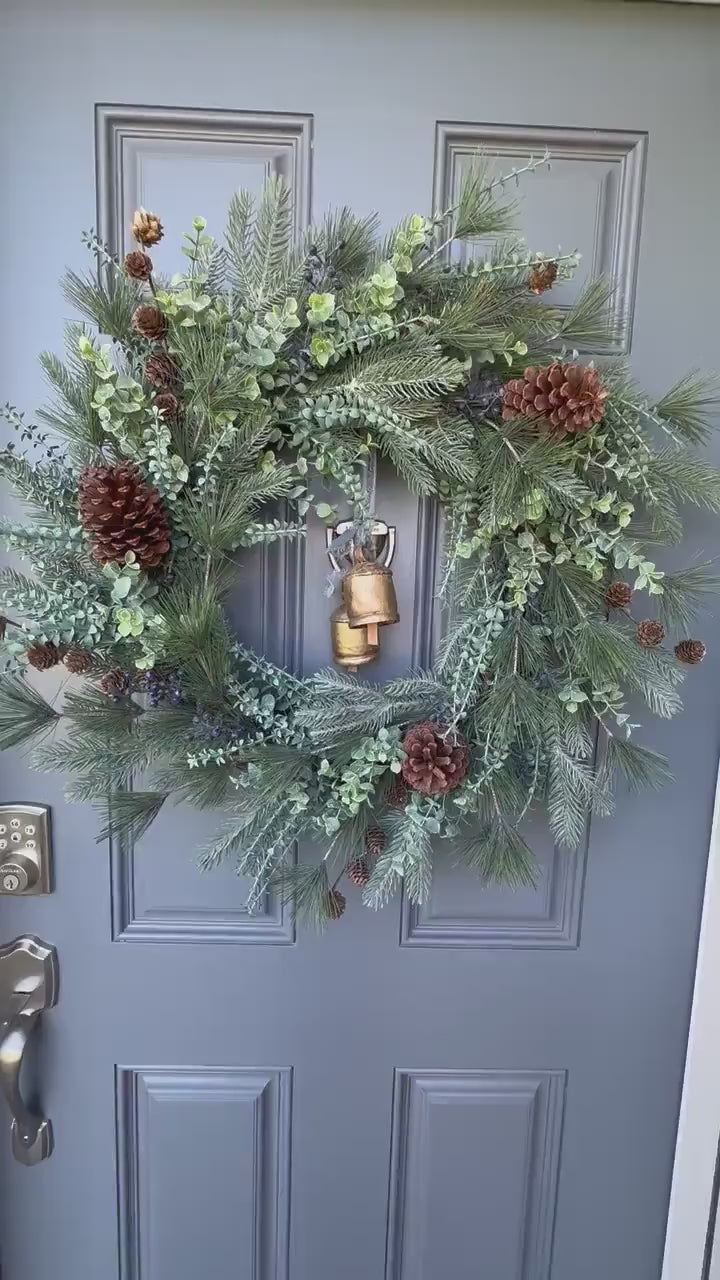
(486, 1089)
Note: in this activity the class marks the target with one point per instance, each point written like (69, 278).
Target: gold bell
(369, 596)
(351, 645)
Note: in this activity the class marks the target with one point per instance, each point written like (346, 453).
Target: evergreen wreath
(190, 408)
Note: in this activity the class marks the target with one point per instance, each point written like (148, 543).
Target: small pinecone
(569, 396)
(3, 627)
(433, 764)
(542, 277)
(115, 683)
(137, 265)
(358, 872)
(168, 404)
(43, 656)
(77, 661)
(618, 595)
(375, 841)
(690, 651)
(149, 322)
(335, 904)
(650, 633)
(147, 227)
(160, 370)
(398, 795)
(121, 513)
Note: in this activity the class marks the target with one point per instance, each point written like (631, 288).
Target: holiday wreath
(265, 373)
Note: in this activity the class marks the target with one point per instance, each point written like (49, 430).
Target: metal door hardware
(25, 852)
(28, 985)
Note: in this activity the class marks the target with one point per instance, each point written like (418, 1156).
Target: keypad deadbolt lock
(25, 853)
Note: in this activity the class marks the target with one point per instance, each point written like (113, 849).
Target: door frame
(692, 1244)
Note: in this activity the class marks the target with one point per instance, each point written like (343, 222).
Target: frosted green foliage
(60, 610)
(350, 786)
(119, 401)
(41, 543)
(166, 469)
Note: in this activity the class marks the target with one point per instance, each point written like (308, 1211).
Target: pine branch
(691, 407)
(687, 478)
(639, 766)
(107, 299)
(338, 706)
(72, 415)
(408, 370)
(25, 715)
(500, 856)
(478, 212)
(345, 241)
(129, 814)
(591, 321)
(305, 888)
(270, 265)
(241, 215)
(684, 594)
(571, 787)
(210, 787)
(196, 639)
(47, 487)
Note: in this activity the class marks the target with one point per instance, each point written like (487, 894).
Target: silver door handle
(28, 985)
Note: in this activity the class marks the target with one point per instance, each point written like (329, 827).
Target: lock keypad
(25, 851)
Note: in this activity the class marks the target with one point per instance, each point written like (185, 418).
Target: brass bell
(369, 595)
(351, 645)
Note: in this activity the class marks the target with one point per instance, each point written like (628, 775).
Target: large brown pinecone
(690, 651)
(650, 633)
(121, 513)
(618, 595)
(137, 265)
(433, 764)
(146, 227)
(77, 661)
(149, 322)
(161, 371)
(335, 903)
(43, 656)
(542, 277)
(569, 396)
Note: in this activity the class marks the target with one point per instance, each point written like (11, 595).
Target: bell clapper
(372, 633)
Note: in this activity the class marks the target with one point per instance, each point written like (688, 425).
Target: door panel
(487, 1086)
(176, 1210)
(474, 1152)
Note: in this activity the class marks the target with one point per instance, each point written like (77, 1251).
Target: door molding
(689, 1253)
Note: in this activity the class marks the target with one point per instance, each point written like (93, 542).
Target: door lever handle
(28, 985)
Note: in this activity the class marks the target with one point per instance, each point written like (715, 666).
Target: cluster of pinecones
(148, 320)
(44, 655)
(650, 632)
(358, 872)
